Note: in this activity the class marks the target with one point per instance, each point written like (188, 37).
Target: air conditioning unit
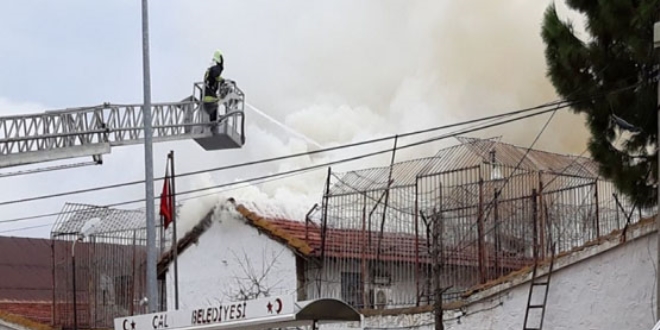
(381, 297)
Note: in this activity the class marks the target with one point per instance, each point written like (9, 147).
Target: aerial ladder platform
(93, 131)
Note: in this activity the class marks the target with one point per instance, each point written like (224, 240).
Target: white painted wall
(218, 266)
(610, 290)
(403, 291)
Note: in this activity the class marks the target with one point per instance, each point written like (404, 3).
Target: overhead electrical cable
(279, 158)
(561, 104)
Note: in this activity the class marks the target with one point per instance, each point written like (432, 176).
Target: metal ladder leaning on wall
(537, 282)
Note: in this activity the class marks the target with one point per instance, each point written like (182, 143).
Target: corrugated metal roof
(25, 269)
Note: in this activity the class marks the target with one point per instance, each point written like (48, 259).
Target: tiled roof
(291, 233)
(355, 244)
(306, 240)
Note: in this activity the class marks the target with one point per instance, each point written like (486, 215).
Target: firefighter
(212, 80)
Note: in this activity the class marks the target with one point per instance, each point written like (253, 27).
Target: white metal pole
(152, 288)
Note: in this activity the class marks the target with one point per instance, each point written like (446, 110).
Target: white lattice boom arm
(93, 131)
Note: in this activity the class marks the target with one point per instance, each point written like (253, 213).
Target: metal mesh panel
(109, 265)
(499, 209)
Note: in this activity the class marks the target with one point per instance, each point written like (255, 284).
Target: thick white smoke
(344, 71)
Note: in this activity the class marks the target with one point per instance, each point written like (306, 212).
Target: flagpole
(174, 239)
(162, 234)
(160, 252)
(162, 230)
(163, 284)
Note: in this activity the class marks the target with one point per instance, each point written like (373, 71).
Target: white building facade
(608, 285)
(231, 261)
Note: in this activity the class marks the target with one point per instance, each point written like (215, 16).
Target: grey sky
(338, 71)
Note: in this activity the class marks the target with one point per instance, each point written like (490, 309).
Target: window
(352, 289)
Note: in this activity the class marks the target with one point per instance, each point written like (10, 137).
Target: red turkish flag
(166, 202)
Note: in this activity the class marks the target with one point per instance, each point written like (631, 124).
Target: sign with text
(222, 313)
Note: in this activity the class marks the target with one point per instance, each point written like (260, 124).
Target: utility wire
(343, 160)
(297, 171)
(25, 228)
(74, 211)
(279, 158)
(560, 104)
(490, 205)
(485, 213)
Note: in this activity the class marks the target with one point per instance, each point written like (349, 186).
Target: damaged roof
(306, 240)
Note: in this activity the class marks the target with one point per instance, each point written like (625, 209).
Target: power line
(300, 170)
(560, 105)
(70, 212)
(25, 228)
(489, 206)
(279, 158)
(344, 160)
(486, 213)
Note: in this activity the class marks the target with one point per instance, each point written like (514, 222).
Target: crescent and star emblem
(279, 306)
(132, 325)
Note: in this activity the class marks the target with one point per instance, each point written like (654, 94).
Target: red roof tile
(356, 244)
(306, 239)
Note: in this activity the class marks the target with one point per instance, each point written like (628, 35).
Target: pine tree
(617, 54)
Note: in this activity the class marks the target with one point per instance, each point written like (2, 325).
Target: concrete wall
(225, 258)
(402, 290)
(607, 286)
(603, 287)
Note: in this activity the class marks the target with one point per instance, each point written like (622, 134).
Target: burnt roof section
(275, 228)
(25, 269)
(192, 237)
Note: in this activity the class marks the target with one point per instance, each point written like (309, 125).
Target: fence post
(134, 272)
(535, 224)
(437, 267)
(597, 209)
(417, 264)
(618, 221)
(480, 234)
(542, 220)
(53, 308)
(363, 248)
(324, 227)
(496, 223)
